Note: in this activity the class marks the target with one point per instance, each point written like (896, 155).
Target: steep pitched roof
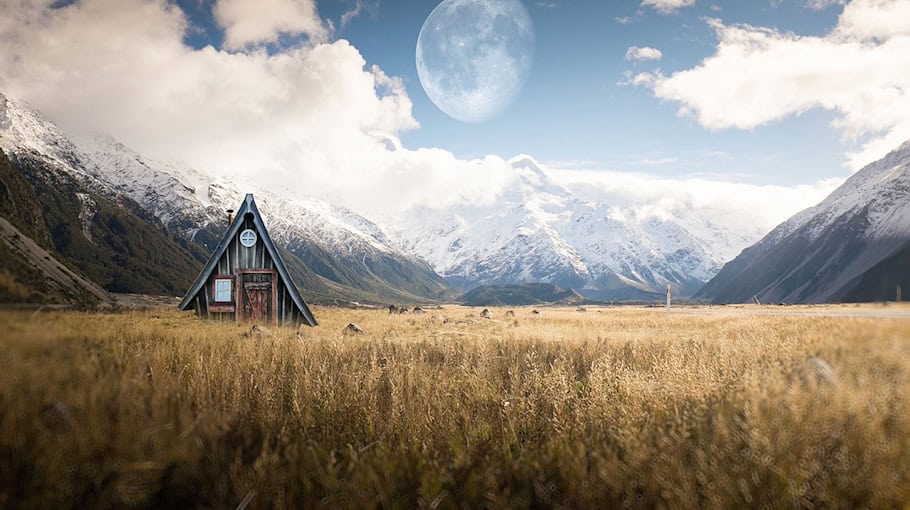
(248, 206)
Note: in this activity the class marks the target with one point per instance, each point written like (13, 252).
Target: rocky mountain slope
(104, 239)
(30, 273)
(851, 247)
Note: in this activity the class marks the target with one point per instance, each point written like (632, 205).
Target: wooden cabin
(245, 278)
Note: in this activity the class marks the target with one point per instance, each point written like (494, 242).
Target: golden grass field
(609, 408)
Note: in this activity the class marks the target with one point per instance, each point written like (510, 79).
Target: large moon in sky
(474, 56)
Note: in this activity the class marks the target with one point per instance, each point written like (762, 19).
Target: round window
(248, 238)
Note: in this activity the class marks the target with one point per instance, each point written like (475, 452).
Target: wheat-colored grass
(606, 408)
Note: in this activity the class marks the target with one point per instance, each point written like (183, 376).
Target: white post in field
(668, 298)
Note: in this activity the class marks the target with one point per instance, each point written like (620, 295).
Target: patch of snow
(86, 214)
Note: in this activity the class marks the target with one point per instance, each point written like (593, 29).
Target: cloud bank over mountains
(315, 118)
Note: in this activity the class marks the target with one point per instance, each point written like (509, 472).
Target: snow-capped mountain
(351, 256)
(539, 231)
(80, 220)
(826, 252)
(163, 190)
(535, 231)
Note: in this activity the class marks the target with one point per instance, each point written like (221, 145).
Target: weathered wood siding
(238, 258)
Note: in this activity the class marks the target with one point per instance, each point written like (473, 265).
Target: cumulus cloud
(313, 120)
(667, 6)
(861, 71)
(874, 19)
(634, 53)
(250, 23)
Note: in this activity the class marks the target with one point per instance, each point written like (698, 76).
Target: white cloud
(311, 120)
(667, 6)
(254, 22)
(351, 13)
(861, 71)
(819, 5)
(655, 161)
(634, 53)
(747, 209)
(875, 19)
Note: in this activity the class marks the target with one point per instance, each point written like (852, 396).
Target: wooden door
(257, 297)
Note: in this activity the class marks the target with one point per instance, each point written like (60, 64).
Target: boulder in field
(353, 329)
(258, 331)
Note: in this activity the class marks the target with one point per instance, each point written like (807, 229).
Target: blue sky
(575, 108)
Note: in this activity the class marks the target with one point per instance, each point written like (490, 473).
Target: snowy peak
(149, 183)
(534, 179)
(879, 187)
(539, 231)
(23, 128)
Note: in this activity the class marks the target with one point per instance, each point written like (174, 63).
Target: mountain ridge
(816, 254)
(518, 295)
(539, 231)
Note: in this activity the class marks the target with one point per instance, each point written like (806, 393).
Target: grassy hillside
(20, 282)
(516, 295)
(604, 409)
(30, 274)
(19, 205)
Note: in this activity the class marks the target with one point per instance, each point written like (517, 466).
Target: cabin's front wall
(236, 261)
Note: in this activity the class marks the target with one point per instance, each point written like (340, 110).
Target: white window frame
(215, 291)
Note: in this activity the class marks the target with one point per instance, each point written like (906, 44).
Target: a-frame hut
(245, 279)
